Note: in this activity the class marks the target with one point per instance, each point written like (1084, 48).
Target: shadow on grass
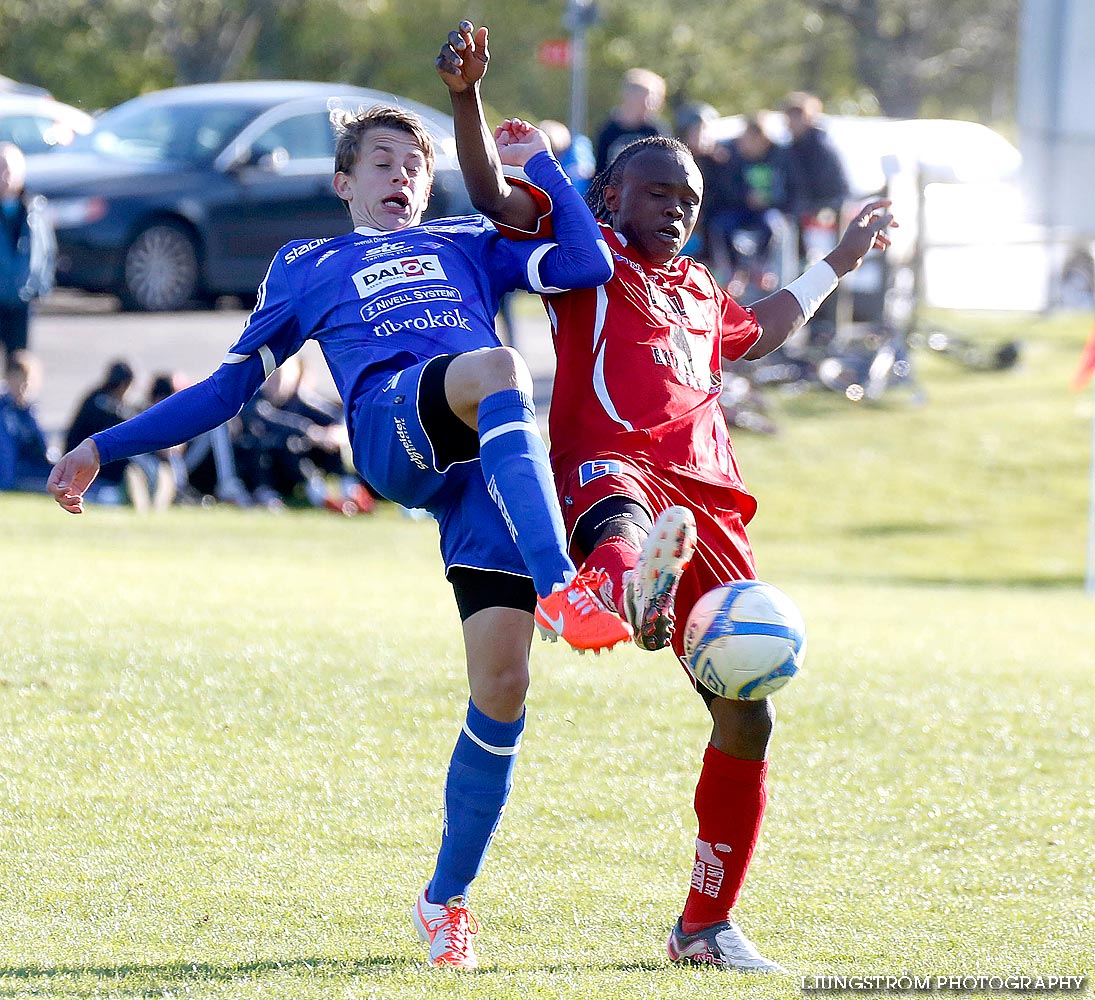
(895, 528)
(141, 979)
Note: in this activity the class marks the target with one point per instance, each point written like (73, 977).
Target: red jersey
(639, 368)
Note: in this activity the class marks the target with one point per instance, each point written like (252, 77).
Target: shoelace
(583, 594)
(458, 923)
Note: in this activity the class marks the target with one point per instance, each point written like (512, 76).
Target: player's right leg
(651, 587)
(411, 445)
(490, 392)
(642, 556)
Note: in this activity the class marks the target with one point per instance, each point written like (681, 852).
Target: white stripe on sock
(497, 751)
(513, 425)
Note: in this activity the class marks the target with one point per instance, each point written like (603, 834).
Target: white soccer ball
(745, 640)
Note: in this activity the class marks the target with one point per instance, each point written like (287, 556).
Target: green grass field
(223, 734)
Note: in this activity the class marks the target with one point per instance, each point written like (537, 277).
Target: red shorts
(722, 552)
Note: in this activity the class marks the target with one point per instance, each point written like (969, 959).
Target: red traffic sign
(555, 53)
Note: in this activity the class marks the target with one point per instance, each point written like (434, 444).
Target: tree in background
(901, 57)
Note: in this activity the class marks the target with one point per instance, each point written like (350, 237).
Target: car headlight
(69, 212)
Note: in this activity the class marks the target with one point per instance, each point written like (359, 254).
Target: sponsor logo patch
(300, 251)
(407, 297)
(376, 277)
(439, 319)
(404, 436)
(387, 249)
(588, 471)
(709, 869)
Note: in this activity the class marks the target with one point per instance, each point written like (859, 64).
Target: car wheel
(160, 272)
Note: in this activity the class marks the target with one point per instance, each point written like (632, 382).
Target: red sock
(730, 799)
(615, 556)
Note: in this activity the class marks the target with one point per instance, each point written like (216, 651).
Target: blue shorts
(394, 454)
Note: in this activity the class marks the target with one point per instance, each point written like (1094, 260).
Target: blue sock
(476, 790)
(518, 474)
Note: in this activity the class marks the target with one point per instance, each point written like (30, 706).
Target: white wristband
(813, 287)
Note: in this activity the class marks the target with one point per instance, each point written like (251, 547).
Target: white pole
(577, 19)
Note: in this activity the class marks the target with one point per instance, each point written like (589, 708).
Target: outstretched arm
(462, 63)
(783, 312)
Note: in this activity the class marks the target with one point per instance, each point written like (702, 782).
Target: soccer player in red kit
(651, 492)
(652, 497)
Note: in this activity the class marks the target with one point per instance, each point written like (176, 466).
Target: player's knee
(501, 693)
(503, 368)
(622, 527)
(743, 728)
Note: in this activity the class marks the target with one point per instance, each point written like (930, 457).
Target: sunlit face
(12, 171)
(390, 184)
(656, 203)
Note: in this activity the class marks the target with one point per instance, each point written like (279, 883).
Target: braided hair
(613, 173)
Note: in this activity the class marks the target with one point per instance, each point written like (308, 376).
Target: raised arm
(461, 63)
(783, 312)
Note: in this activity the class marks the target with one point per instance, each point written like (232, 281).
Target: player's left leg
(731, 793)
(480, 775)
(730, 799)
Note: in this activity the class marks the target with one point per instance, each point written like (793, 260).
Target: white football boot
(449, 929)
(722, 945)
(650, 588)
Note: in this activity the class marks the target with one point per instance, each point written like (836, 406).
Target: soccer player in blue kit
(440, 416)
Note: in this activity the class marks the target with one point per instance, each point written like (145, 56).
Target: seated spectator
(104, 407)
(24, 462)
(816, 183)
(204, 467)
(150, 479)
(292, 442)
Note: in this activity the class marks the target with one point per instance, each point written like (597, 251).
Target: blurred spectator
(205, 466)
(816, 191)
(574, 153)
(713, 159)
(103, 407)
(816, 184)
(292, 442)
(27, 249)
(642, 95)
(756, 190)
(24, 462)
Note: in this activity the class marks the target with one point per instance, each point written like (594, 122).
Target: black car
(186, 194)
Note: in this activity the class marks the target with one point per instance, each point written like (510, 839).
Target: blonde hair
(351, 126)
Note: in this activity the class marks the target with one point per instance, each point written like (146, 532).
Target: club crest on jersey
(588, 471)
(372, 279)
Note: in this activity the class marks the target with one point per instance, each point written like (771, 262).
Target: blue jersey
(377, 303)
